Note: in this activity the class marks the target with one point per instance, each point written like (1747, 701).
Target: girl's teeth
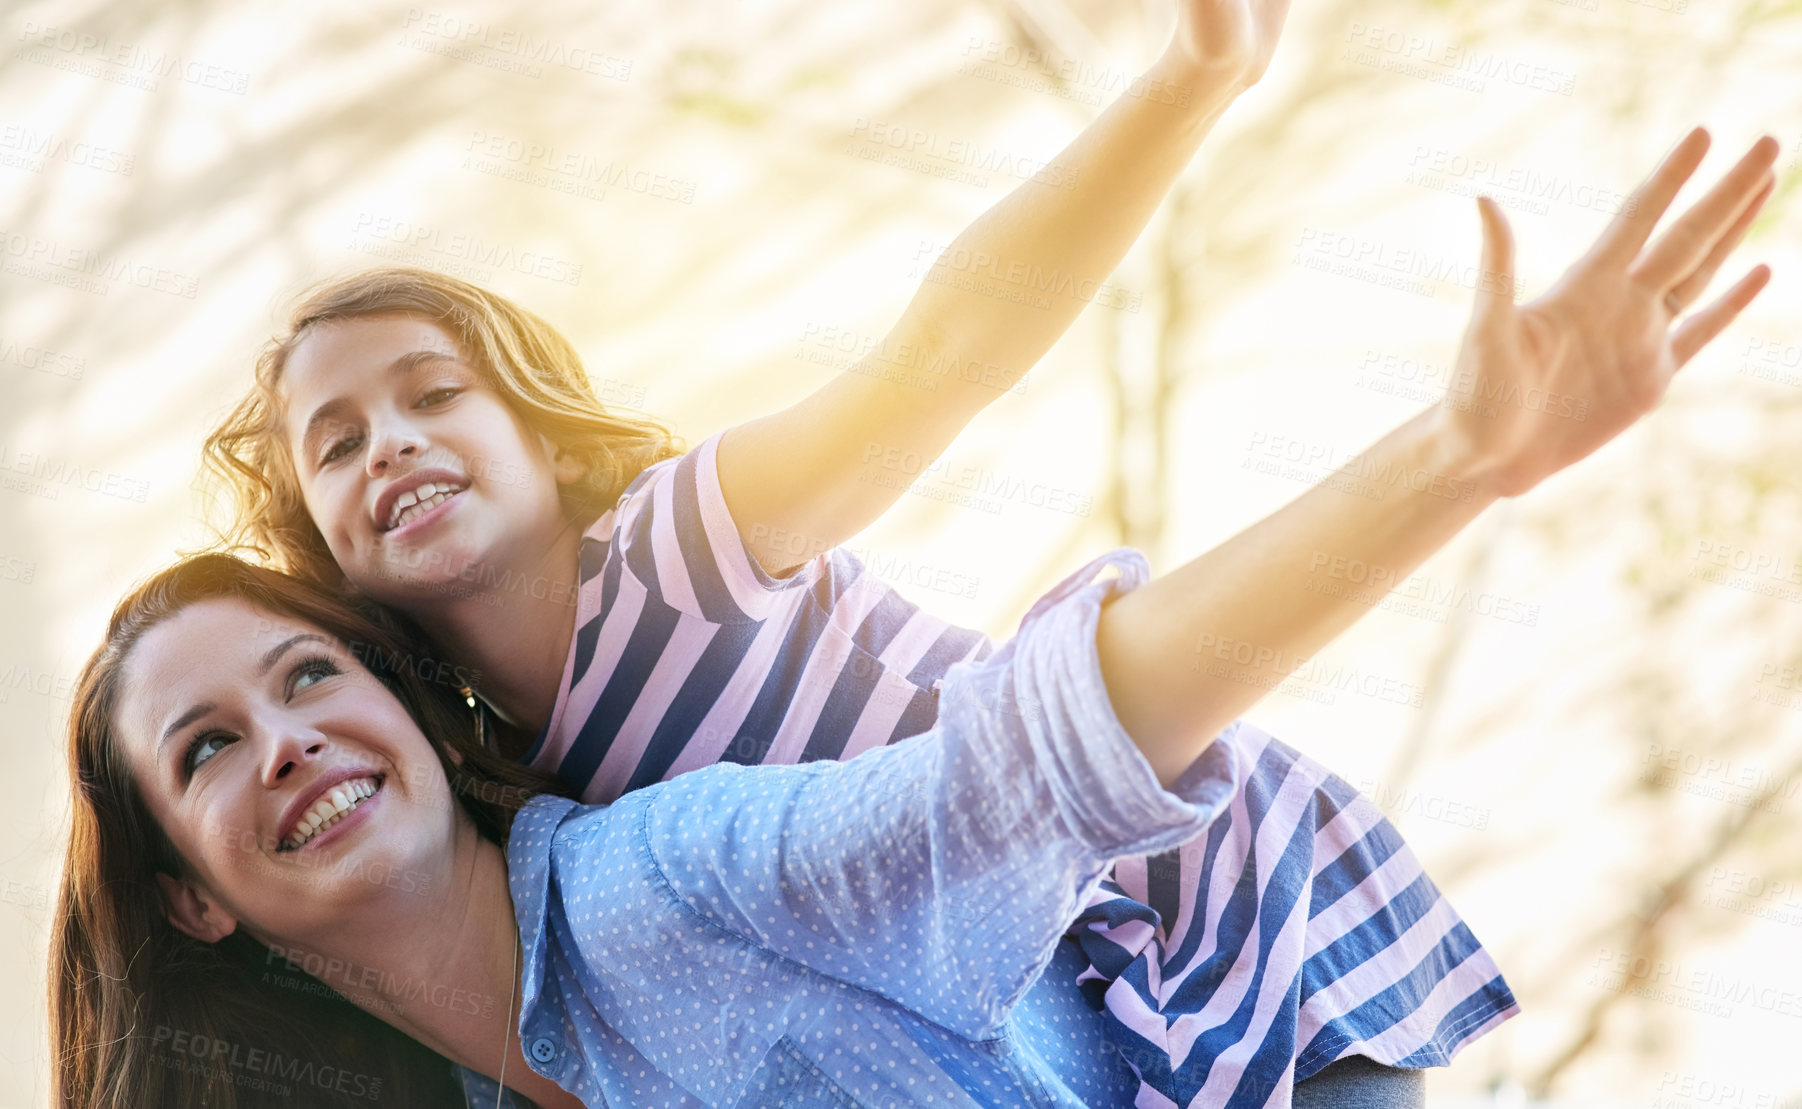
(430, 496)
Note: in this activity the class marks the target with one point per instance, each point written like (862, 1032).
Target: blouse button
(543, 1050)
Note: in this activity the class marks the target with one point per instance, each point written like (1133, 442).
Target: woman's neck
(445, 969)
(510, 632)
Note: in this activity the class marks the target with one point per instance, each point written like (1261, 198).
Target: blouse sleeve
(674, 533)
(940, 872)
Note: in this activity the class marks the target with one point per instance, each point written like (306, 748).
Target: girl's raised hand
(1552, 380)
(1227, 43)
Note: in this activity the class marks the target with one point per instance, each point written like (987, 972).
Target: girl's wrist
(1462, 456)
(1178, 80)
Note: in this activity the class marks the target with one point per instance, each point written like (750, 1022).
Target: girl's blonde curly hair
(534, 369)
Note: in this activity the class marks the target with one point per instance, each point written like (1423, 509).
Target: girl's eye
(438, 396)
(204, 742)
(339, 449)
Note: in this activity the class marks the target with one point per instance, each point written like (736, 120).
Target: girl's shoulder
(673, 532)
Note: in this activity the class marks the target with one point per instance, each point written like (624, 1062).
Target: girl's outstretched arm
(797, 481)
(1185, 655)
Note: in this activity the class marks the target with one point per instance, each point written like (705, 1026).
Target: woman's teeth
(330, 809)
(414, 502)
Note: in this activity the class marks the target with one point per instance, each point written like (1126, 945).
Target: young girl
(439, 449)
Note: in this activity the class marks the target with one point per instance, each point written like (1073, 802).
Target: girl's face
(298, 789)
(424, 483)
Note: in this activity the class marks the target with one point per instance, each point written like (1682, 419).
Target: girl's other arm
(1188, 653)
(798, 481)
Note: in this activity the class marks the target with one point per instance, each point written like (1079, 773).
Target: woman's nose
(288, 749)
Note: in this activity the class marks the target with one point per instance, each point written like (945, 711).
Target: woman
(765, 936)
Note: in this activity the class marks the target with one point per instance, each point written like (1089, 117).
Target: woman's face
(296, 786)
(424, 483)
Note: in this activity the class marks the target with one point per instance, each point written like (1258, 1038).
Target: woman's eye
(437, 397)
(311, 672)
(202, 748)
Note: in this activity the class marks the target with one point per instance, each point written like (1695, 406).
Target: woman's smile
(340, 806)
(267, 723)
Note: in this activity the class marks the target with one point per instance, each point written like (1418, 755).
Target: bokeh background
(1599, 749)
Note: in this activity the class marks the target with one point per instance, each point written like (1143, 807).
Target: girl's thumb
(1495, 278)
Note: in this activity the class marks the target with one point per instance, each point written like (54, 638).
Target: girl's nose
(396, 447)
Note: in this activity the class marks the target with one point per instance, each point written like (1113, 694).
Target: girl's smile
(415, 497)
(411, 465)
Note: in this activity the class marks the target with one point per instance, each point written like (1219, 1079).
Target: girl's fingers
(1630, 229)
(1701, 328)
(1495, 287)
(1681, 249)
(1690, 288)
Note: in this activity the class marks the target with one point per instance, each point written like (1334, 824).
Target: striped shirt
(686, 653)
(863, 934)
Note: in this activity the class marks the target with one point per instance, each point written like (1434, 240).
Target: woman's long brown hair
(145, 1017)
(536, 371)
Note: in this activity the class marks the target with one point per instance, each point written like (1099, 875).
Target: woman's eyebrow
(267, 663)
(275, 653)
(181, 722)
(400, 367)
